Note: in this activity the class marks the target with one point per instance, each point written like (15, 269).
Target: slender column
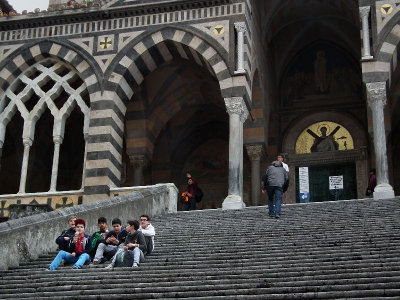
(1, 152)
(54, 171)
(241, 29)
(255, 153)
(85, 136)
(377, 100)
(24, 169)
(138, 162)
(237, 112)
(364, 14)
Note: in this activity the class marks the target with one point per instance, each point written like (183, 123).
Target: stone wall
(26, 238)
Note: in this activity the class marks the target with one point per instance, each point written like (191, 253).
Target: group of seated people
(78, 248)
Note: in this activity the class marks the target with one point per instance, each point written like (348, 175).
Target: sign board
(304, 187)
(336, 182)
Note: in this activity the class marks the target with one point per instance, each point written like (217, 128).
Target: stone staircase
(330, 250)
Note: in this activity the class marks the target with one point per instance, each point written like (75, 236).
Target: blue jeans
(274, 210)
(77, 261)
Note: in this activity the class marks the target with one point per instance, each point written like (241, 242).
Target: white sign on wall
(304, 187)
(336, 182)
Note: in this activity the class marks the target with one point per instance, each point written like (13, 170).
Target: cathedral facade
(100, 97)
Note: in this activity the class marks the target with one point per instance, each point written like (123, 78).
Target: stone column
(54, 171)
(364, 14)
(240, 29)
(1, 151)
(85, 137)
(255, 153)
(24, 169)
(377, 100)
(237, 112)
(138, 162)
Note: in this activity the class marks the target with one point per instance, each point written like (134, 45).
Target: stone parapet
(26, 238)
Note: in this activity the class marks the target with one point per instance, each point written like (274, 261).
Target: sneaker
(95, 262)
(271, 216)
(109, 267)
(75, 267)
(277, 216)
(48, 269)
(135, 265)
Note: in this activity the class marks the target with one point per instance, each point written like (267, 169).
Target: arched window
(53, 103)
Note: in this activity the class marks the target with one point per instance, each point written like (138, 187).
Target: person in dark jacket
(190, 193)
(135, 242)
(99, 235)
(109, 246)
(78, 249)
(371, 183)
(63, 240)
(275, 182)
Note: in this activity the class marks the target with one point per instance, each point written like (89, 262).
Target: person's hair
(373, 171)
(145, 216)
(116, 221)
(102, 220)
(80, 221)
(134, 223)
(281, 155)
(72, 217)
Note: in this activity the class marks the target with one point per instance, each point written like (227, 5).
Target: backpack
(124, 259)
(198, 195)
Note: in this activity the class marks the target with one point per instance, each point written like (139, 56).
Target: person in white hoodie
(148, 231)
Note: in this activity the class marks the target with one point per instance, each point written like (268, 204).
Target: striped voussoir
(150, 50)
(387, 58)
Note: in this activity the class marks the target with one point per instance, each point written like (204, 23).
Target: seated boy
(78, 249)
(98, 235)
(109, 245)
(148, 231)
(64, 238)
(135, 242)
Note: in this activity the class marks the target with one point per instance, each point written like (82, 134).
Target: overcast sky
(29, 5)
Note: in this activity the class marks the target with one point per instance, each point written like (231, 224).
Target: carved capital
(57, 139)
(236, 105)
(138, 160)
(376, 91)
(364, 11)
(240, 27)
(255, 151)
(27, 142)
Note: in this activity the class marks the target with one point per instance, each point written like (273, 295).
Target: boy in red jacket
(78, 249)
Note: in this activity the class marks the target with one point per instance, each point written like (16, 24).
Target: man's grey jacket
(275, 175)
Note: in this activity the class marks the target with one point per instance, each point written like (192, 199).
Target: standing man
(148, 231)
(275, 182)
(280, 159)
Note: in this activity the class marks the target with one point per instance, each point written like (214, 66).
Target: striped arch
(22, 59)
(154, 49)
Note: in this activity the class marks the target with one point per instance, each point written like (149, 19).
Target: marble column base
(383, 191)
(233, 202)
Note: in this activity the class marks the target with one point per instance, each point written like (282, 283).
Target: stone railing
(26, 238)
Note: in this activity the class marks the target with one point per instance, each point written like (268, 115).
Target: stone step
(332, 250)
